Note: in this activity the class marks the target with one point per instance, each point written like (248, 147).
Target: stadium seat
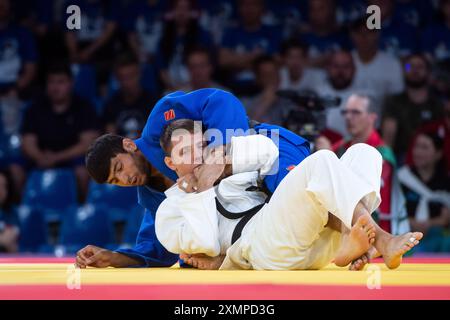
(85, 225)
(52, 191)
(33, 229)
(85, 82)
(118, 200)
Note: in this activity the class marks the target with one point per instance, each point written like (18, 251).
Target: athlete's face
(130, 168)
(186, 153)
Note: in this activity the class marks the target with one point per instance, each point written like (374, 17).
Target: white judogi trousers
(289, 233)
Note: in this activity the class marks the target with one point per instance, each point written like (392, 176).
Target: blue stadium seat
(85, 225)
(118, 200)
(33, 229)
(85, 81)
(52, 190)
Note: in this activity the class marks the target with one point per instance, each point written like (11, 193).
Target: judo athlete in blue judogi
(124, 162)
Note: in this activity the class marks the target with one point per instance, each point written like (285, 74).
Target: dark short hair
(262, 60)
(436, 139)
(421, 56)
(293, 44)
(165, 139)
(124, 60)
(60, 67)
(198, 50)
(99, 155)
(360, 24)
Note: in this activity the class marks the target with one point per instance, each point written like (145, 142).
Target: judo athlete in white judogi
(319, 213)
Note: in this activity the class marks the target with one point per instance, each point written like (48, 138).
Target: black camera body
(308, 117)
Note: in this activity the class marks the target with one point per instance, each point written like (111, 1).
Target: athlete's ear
(129, 145)
(169, 163)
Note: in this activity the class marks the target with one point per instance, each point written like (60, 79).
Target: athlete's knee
(366, 150)
(325, 155)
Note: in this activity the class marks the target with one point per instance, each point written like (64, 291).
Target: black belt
(245, 215)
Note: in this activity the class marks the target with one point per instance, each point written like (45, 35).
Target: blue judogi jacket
(216, 109)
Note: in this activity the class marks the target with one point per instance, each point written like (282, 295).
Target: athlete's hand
(212, 168)
(93, 256)
(207, 175)
(188, 183)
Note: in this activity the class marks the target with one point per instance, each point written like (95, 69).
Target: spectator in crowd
(144, 22)
(360, 118)
(416, 13)
(440, 128)
(287, 15)
(8, 226)
(126, 112)
(267, 106)
(295, 74)
(216, 16)
(201, 70)
(243, 44)
(435, 39)
(58, 128)
(372, 63)
(427, 189)
(322, 34)
(17, 55)
(396, 37)
(181, 33)
(404, 113)
(93, 42)
(338, 82)
(348, 11)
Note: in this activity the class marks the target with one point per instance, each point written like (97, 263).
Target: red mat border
(222, 292)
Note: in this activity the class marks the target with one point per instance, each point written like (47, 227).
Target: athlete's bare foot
(361, 262)
(356, 242)
(202, 261)
(397, 246)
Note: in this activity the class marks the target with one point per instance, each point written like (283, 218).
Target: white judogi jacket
(190, 223)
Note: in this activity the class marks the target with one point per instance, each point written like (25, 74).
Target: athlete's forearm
(119, 260)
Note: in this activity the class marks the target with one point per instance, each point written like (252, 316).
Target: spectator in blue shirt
(396, 37)
(181, 33)
(417, 13)
(216, 16)
(322, 34)
(144, 22)
(93, 42)
(436, 38)
(348, 11)
(288, 15)
(241, 45)
(17, 54)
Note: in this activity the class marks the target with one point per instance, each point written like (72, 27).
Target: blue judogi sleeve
(148, 249)
(293, 149)
(215, 108)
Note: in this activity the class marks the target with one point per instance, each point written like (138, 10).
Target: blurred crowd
(61, 88)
